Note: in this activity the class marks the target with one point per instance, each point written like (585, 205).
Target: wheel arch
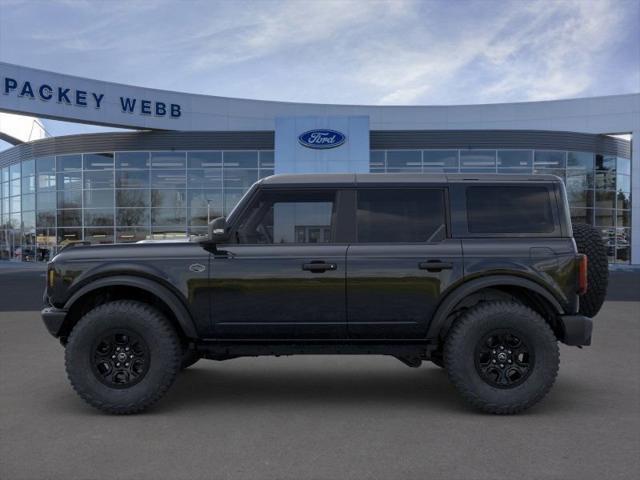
(526, 291)
(121, 287)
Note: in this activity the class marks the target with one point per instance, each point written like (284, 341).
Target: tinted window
(400, 215)
(502, 209)
(298, 217)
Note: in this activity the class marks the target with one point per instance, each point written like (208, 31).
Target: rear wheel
(589, 241)
(502, 357)
(122, 356)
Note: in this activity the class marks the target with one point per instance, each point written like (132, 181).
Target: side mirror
(218, 230)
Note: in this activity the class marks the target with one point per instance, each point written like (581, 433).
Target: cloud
(338, 51)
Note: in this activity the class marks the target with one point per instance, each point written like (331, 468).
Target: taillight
(582, 274)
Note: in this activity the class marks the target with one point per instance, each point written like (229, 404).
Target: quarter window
(298, 217)
(504, 209)
(390, 215)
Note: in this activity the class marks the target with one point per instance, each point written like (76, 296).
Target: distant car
(480, 274)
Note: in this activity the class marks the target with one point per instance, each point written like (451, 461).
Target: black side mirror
(218, 230)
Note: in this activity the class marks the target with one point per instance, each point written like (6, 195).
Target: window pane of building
(404, 160)
(204, 159)
(267, 160)
(240, 159)
(45, 165)
(66, 235)
(133, 216)
(132, 178)
(99, 235)
(69, 199)
(139, 160)
(550, 159)
(132, 198)
(69, 162)
(169, 217)
(440, 160)
(98, 199)
(168, 178)
(28, 184)
(98, 161)
(98, 217)
(168, 198)
(70, 218)
(98, 179)
(583, 160)
(69, 180)
(29, 202)
(515, 161)
(376, 159)
(168, 160)
(623, 166)
(28, 167)
(477, 161)
(205, 178)
(239, 178)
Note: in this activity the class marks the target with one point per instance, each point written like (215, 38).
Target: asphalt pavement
(319, 417)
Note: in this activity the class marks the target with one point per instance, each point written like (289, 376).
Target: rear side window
(504, 209)
(403, 216)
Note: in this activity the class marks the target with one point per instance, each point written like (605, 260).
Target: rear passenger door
(402, 261)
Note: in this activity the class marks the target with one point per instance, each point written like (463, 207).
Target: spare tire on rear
(589, 241)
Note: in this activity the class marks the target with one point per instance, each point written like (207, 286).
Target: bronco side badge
(197, 267)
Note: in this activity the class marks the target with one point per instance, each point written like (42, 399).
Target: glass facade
(121, 197)
(598, 186)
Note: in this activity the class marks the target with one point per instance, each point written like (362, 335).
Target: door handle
(435, 266)
(318, 267)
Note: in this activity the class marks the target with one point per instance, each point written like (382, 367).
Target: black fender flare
(165, 295)
(440, 323)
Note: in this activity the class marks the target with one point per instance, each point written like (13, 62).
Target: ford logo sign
(322, 138)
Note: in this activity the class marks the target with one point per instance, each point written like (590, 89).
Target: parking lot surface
(322, 417)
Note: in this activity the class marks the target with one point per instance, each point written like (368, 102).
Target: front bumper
(577, 330)
(53, 319)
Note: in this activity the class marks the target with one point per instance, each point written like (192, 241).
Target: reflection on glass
(132, 160)
(97, 161)
(98, 217)
(69, 162)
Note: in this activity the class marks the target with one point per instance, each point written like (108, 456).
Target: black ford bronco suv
(480, 274)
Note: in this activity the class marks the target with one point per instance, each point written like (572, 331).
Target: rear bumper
(577, 330)
(53, 319)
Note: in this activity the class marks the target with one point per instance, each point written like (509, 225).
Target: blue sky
(361, 52)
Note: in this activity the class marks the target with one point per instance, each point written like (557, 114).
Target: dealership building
(189, 158)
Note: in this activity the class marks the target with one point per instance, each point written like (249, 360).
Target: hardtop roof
(353, 179)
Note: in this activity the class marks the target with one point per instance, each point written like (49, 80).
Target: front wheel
(122, 356)
(502, 357)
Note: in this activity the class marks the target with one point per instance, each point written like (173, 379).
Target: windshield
(234, 210)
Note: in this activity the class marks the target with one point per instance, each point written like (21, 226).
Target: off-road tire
(189, 357)
(589, 241)
(460, 356)
(160, 338)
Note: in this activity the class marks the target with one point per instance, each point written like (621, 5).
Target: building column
(635, 197)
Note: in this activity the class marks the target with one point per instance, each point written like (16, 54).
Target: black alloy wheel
(120, 358)
(503, 359)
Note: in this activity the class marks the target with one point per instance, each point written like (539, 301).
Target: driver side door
(284, 276)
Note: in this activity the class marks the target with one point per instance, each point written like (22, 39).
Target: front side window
(292, 217)
(400, 216)
(505, 209)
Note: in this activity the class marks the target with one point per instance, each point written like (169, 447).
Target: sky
(393, 52)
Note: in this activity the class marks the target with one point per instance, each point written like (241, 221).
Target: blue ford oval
(322, 138)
